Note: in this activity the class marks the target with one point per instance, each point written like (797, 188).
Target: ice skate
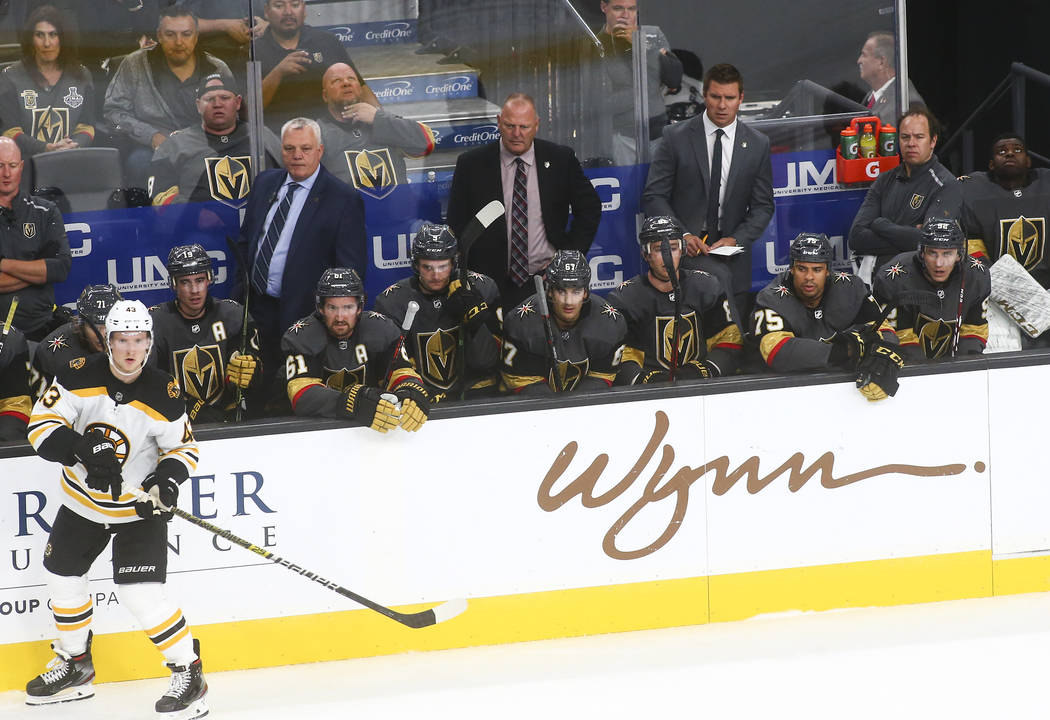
(67, 678)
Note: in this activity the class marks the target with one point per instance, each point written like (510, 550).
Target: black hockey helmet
(339, 282)
(657, 229)
(188, 260)
(95, 302)
(942, 233)
(568, 269)
(434, 242)
(811, 247)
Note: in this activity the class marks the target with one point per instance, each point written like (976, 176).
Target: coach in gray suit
(731, 206)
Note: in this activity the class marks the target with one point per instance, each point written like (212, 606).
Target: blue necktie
(261, 267)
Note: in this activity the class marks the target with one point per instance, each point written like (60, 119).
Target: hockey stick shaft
(7, 323)
(406, 325)
(959, 311)
(672, 274)
(417, 620)
(236, 251)
(478, 224)
(549, 330)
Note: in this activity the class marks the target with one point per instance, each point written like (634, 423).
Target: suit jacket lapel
(741, 146)
(698, 138)
(302, 224)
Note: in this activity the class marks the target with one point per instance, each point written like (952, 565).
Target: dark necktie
(713, 234)
(519, 227)
(261, 267)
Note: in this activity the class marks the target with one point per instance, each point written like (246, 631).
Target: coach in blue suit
(288, 245)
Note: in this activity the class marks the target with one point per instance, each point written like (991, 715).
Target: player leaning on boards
(454, 341)
(577, 346)
(810, 318)
(116, 426)
(341, 362)
(684, 335)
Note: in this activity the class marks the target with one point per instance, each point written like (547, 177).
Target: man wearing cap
(212, 160)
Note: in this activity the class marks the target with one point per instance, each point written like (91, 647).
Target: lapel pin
(743, 144)
(546, 164)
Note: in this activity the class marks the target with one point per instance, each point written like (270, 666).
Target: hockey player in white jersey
(116, 426)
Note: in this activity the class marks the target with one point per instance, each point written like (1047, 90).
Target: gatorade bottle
(848, 144)
(867, 142)
(887, 141)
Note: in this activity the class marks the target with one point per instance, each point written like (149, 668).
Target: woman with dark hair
(47, 99)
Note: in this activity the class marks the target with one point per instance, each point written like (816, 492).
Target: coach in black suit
(553, 177)
(732, 209)
(288, 242)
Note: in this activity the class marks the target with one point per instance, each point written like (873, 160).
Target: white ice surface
(986, 658)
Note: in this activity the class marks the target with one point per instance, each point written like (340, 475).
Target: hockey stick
(676, 287)
(550, 332)
(238, 413)
(7, 323)
(959, 311)
(425, 618)
(406, 325)
(477, 225)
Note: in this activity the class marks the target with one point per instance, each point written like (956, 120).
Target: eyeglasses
(1015, 150)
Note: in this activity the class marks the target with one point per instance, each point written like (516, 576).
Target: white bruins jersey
(146, 420)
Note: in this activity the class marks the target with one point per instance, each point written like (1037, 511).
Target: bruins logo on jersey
(1024, 239)
(437, 356)
(50, 124)
(372, 171)
(688, 332)
(570, 374)
(199, 372)
(120, 440)
(935, 335)
(342, 379)
(229, 179)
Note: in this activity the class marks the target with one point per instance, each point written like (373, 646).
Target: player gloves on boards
(878, 371)
(241, 370)
(415, 405)
(368, 406)
(98, 455)
(692, 370)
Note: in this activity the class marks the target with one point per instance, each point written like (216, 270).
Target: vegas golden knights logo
(199, 371)
(372, 171)
(340, 380)
(1024, 239)
(570, 374)
(50, 124)
(688, 332)
(437, 353)
(229, 179)
(935, 335)
(120, 440)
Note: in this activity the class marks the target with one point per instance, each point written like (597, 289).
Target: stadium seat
(85, 177)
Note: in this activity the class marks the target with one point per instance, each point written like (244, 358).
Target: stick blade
(450, 609)
(488, 214)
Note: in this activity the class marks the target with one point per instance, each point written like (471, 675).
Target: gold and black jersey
(927, 331)
(15, 401)
(319, 367)
(709, 332)
(590, 352)
(35, 116)
(791, 336)
(197, 351)
(433, 341)
(62, 348)
(146, 419)
(1001, 222)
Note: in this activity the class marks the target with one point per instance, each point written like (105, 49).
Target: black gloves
(469, 305)
(695, 369)
(878, 371)
(163, 491)
(366, 405)
(98, 455)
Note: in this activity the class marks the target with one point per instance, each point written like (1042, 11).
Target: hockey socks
(73, 610)
(160, 619)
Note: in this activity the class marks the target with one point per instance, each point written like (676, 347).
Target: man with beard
(455, 337)
(954, 320)
(344, 363)
(810, 318)
(69, 345)
(212, 160)
(698, 338)
(590, 335)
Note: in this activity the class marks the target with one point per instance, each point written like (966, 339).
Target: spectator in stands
(365, 145)
(536, 221)
(47, 99)
(34, 251)
(210, 160)
(294, 57)
(878, 68)
(664, 70)
(225, 28)
(896, 205)
(154, 92)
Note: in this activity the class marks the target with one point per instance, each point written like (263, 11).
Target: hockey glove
(98, 455)
(415, 405)
(470, 306)
(878, 371)
(367, 406)
(163, 494)
(653, 376)
(697, 369)
(241, 369)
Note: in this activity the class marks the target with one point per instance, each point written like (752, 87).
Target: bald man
(551, 184)
(364, 145)
(34, 251)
